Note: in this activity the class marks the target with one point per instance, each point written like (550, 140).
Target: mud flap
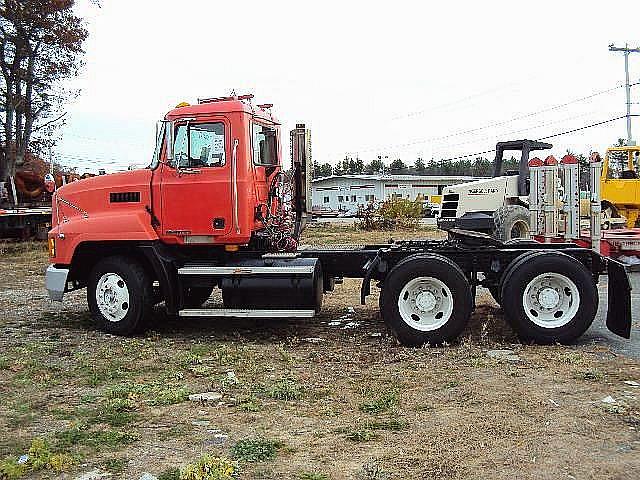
(619, 296)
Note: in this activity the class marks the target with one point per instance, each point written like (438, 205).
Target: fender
(105, 226)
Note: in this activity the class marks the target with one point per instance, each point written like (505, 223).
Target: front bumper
(56, 282)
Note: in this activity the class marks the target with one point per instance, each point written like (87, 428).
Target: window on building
(353, 198)
(369, 198)
(325, 199)
(340, 199)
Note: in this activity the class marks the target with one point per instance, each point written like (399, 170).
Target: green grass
(40, 456)
(115, 465)
(95, 439)
(313, 476)
(256, 449)
(592, 375)
(367, 430)
(155, 394)
(250, 404)
(286, 389)
(209, 467)
(381, 403)
(21, 415)
(361, 435)
(116, 412)
(172, 473)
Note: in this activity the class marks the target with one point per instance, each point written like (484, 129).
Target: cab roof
(222, 105)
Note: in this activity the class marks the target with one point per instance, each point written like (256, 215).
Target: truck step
(246, 270)
(245, 313)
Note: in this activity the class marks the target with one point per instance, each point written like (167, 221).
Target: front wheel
(550, 297)
(511, 221)
(426, 300)
(120, 295)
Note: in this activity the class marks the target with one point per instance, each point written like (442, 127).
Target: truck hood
(105, 192)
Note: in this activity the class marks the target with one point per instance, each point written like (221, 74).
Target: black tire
(525, 271)
(445, 271)
(511, 221)
(496, 291)
(194, 297)
(140, 290)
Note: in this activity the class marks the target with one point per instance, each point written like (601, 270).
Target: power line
(543, 138)
(586, 126)
(500, 123)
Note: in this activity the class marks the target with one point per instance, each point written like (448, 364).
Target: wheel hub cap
(551, 300)
(548, 298)
(112, 297)
(426, 301)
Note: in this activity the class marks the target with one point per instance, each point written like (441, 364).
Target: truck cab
(620, 183)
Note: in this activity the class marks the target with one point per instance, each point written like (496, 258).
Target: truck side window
(207, 145)
(265, 150)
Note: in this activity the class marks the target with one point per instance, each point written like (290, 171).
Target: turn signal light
(52, 247)
(231, 248)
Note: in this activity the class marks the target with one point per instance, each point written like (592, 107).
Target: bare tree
(41, 46)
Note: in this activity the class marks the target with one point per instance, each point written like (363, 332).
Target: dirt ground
(333, 397)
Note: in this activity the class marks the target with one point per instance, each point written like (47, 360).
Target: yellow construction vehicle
(620, 184)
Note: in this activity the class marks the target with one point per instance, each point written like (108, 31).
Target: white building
(347, 192)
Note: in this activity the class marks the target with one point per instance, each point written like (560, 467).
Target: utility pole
(626, 51)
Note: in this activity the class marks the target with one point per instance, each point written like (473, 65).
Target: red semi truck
(215, 209)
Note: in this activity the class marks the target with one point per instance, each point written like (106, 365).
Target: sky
(399, 79)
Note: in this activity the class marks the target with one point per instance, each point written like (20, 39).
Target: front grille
(451, 197)
(448, 214)
(449, 205)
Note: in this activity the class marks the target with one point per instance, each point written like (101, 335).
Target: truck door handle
(189, 171)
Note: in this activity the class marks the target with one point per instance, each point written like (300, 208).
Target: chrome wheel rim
(551, 300)
(112, 297)
(425, 303)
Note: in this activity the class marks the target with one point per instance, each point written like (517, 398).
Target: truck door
(196, 183)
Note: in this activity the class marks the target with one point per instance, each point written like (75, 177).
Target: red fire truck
(216, 209)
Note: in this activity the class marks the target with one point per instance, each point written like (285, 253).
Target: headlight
(52, 247)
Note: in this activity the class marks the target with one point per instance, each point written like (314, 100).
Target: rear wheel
(496, 290)
(426, 299)
(549, 297)
(120, 295)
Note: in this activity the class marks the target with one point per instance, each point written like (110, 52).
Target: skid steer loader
(499, 205)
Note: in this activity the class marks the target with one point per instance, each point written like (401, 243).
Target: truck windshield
(207, 147)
